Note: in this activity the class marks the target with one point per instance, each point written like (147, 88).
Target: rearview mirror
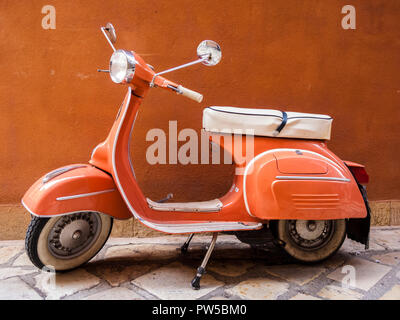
(210, 51)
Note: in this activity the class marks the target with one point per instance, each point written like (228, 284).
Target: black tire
(41, 253)
(306, 249)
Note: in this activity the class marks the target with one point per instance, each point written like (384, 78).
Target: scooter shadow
(227, 263)
(267, 255)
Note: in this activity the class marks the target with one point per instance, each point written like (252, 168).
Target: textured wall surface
(292, 55)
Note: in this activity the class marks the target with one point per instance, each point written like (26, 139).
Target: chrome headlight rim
(130, 62)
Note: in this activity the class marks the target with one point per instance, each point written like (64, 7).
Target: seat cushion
(265, 122)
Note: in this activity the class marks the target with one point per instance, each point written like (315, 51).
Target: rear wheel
(66, 242)
(311, 240)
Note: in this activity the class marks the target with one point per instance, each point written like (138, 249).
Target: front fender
(74, 188)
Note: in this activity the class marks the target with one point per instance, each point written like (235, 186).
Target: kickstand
(185, 246)
(201, 270)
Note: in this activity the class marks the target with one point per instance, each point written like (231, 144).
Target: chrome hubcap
(310, 234)
(77, 235)
(74, 234)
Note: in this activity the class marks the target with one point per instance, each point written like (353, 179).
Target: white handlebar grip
(190, 94)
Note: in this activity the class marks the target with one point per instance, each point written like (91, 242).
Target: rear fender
(358, 229)
(75, 188)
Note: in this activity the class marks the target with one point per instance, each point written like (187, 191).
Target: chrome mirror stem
(177, 68)
(181, 66)
(109, 41)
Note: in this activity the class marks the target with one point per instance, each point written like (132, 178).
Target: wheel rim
(74, 234)
(310, 234)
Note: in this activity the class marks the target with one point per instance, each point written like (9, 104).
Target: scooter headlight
(122, 66)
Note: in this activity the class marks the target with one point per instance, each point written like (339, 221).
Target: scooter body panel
(75, 188)
(255, 195)
(299, 184)
(113, 155)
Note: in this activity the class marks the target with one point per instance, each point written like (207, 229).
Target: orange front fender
(74, 188)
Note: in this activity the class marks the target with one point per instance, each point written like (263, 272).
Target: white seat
(265, 122)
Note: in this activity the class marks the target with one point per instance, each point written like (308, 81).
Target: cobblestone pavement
(154, 268)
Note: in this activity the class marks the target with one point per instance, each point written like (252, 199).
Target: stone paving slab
(7, 253)
(302, 296)
(154, 268)
(173, 282)
(387, 237)
(61, 285)
(299, 274)
(115, 294)
(264, 288)
(22, 260)
(391, 259)
(366, 273)
(6, 273)
(230, 268)
(142, 252)
(16, 289)
(393, 294)
(118, 273)
(332, 292)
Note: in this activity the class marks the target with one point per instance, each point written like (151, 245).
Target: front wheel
(66, 242)
(311, 240)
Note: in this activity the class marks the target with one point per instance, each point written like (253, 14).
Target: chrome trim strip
(210, 206)
(26, 207)
(82, 195)
(311, 178)
(129, 146)
(60, 171)
(174, 227)
(63, 213)
(93, 151)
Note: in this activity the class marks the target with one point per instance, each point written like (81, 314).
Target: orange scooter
(293, 189)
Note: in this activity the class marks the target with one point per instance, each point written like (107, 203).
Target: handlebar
(198, 97)
(162, 82)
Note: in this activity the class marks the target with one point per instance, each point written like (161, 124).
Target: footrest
(201, 206)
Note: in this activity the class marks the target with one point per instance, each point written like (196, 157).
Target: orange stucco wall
(55, 107)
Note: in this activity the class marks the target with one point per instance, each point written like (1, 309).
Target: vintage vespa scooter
(293, 188)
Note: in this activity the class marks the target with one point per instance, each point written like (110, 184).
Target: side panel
(311, 187)
(81, 188)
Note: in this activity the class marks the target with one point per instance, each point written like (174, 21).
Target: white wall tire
(38, 242)
(311, 245)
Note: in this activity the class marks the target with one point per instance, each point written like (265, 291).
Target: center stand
(201, 270)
